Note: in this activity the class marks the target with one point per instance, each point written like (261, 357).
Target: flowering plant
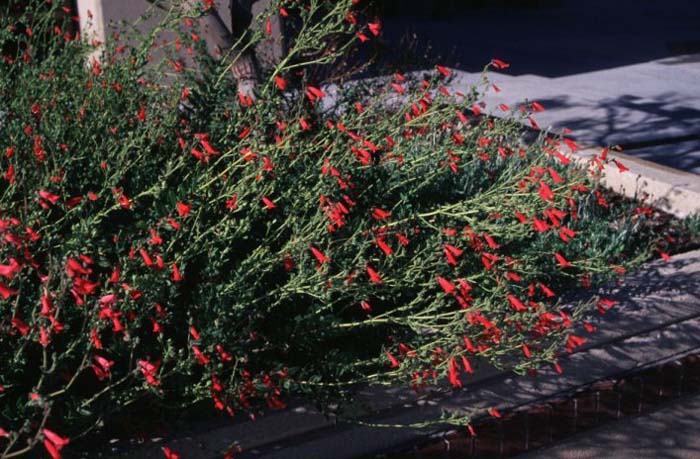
(166, 238)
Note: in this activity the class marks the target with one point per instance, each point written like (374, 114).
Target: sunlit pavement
(624, 72)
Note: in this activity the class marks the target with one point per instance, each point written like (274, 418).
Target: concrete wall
(98, 19)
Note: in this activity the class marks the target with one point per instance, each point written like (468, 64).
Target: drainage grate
(556, 418)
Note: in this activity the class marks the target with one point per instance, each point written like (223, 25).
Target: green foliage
(168, 239)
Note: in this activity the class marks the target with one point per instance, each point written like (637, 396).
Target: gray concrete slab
(669, 433)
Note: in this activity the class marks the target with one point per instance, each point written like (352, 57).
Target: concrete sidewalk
(657, 320)
(669, 433)
(615, 72)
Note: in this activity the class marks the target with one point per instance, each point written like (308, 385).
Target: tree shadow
(663, 129)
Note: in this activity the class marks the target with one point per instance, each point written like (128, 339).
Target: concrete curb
(671, 190)
(657, 319)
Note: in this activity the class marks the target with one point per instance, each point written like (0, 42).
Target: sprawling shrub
(166, 238)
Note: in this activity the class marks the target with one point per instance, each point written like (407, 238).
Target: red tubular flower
(103, 365)
(58, 441)
(546, 290)
(443, 70)
(146, 258)
(6, 291)
(467, 365)
(556, 178)
(452, 253)
(232, 203)
(149, 371)
(155, 237)
(453, 373)
(43, 337)
(545, 192)
(202, 359)
(515, 303)
(216, 384)
(398, 88)
(314, 94)
(571, 144)
(491, 243)
(9, 271)
(406, 351)
(392, 360)
(46, 304)
(384, 246)
(604, 305)
(540, 225)
(52, 449)
(95, 339)
(499, 64)
(169, 453)
(379, 214)
(225, 356)
(403, 240)
(565, 234)
(320, 256)
(208, 148)
(373, 275)
(513, 276)
(183, 209)
(173, 224)
(177, 277)
(51, 197)
(446, 285)
(561, 260)
(468, 344)
(124, 201)
(621, 167)
(374, 28)
(305, 126)
(269, 205)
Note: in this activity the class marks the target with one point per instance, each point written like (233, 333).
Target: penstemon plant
(167, 238)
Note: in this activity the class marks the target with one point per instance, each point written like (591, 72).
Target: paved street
(624, 72)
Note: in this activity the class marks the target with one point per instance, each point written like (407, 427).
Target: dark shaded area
(549, 37)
